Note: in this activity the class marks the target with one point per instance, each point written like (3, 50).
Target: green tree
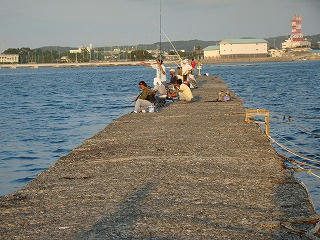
(11, 51)
(140, 55)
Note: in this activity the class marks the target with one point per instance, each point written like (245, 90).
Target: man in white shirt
(160, 68)
(186, 67)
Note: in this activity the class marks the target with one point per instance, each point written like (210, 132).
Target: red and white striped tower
(296, 32)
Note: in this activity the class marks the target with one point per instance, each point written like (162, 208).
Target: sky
(71, 23)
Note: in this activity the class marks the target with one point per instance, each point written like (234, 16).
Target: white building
(243, 48)
(76, 50)
(211, 52)
(290, 43)
(82, 49)
(9, 58)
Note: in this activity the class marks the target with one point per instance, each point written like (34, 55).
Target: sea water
(46, 112)
(291, 92)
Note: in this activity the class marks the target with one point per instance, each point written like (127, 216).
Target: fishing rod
(172, 45)
(160, 28)
(161, 31)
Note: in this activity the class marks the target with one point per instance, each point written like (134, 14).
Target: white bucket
(151, 108)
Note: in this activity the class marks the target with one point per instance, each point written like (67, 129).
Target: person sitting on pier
(160, 68)
(179, 73)
(173, 76)
(184, 92)
(160, 92)
(145, 99)
(192, 80)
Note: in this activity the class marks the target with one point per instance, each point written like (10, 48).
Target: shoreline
(70, 65)
(139, 177)
(137, 63)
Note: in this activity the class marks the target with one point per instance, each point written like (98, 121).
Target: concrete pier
(190, 171)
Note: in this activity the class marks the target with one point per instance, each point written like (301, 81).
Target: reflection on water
(290, 91)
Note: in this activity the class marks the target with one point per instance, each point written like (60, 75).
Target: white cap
(172, 70)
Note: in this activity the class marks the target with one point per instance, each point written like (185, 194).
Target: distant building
(169, 57)
(296, 39)
(82, 49)
(116, 51)
(211, 52)
(198, 51)
(243, 48)
(154, 53)
(276, 52)
(318, 44)
(237, 48)
(76, 50)
(289, 43)
(65, 59)
(9, 58)
(315, 52)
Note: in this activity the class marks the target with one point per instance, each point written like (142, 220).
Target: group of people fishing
(181, 80)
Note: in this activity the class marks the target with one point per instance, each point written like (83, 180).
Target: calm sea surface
(46, 112)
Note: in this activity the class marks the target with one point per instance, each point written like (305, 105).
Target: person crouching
(145, 99)
(184, 92)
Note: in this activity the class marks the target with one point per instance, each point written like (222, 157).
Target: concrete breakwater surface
(190, 171)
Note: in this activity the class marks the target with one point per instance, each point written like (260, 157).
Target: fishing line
(160, 28)
(172, 45)
(161, 31)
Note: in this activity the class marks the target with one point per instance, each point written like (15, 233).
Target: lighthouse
(296, 39)
(296, 29)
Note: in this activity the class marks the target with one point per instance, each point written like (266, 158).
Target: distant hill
(179, 45)
(274, 42)
(314, 40)
(188, 45)
(57, 48)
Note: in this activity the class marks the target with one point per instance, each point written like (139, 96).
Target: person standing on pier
(193, 64)
(186, 69)
(160, 68)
